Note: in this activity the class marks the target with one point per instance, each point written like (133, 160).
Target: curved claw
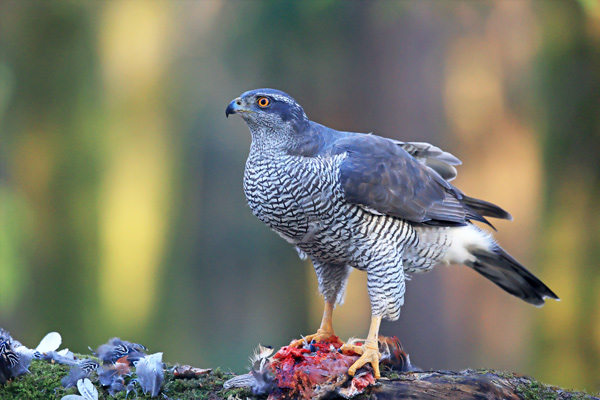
(369, 355)
(321, 336)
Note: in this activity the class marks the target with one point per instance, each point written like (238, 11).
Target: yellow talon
(324, 333)
(369, 355)
(369, 351)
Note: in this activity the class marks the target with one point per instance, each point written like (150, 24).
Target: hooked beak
(234, 107)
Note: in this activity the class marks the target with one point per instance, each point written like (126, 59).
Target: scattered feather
(131, 388)
(9, 359)
(75, 375)
(81, 370)
(393, 355)
(24, 351)
(87, 389)
(241, 381)
(117, 386)
(7, 354)
(188, 372)
(260, 356)
(25, 357)
(107, 375)
(117, 348)
(51, 342)
(68, 359)
(65, 353)
(88, 365)
(260, 378)
(150, 373)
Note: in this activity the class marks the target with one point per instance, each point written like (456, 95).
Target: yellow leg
(369, 350)
(325, 332)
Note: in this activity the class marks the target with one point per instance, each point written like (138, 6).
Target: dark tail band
(502, 269)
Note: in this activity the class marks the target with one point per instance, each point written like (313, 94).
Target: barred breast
(301, 199)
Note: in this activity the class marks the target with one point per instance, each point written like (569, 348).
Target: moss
(530, 389)
(509, 376)
(208, 386)
(44, 383)
(536, 391)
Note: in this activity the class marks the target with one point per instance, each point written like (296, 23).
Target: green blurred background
(122, 210)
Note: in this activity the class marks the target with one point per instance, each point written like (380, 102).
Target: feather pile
(16, 358)
(123, 366)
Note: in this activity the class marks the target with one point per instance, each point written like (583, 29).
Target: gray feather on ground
(150, 373)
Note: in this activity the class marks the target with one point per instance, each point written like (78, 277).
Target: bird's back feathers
(380, 174)
(409, 180)
(435, 158)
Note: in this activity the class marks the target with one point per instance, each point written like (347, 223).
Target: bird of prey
(351, 200)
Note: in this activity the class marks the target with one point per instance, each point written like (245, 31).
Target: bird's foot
(322, 335)
(369, 355)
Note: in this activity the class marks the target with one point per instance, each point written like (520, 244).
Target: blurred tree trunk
(569, 91)
(51, 140)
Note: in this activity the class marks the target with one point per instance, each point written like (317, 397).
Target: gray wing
(381, 175)
(435, 158)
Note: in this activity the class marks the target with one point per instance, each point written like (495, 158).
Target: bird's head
(268, 109)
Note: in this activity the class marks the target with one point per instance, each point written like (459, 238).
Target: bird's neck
(271, 142)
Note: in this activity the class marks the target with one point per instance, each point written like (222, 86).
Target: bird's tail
(485, 208)
(476, 249)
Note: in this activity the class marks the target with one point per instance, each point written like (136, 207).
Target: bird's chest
(292, 195)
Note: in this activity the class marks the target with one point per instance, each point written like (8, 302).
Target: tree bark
(467, 385)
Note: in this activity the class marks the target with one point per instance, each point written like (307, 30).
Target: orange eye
(263, 102)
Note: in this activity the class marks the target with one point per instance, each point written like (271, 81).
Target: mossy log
(468, 385)
(44, 383)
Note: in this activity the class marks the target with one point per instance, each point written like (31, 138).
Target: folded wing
(407, 180)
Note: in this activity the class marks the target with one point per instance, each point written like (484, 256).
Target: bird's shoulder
(321, 141)
(409, 180)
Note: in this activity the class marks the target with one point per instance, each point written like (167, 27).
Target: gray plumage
(351, 200)
(81, 369)
(9, 359)
(150, 373)
(66, 358)
(260, 378)
(116, 348)
(87, 390)
(75, 374)
(14, 357)
(118, 385)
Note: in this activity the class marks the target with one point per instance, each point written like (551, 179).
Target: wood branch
(44, 383)
(467, 385)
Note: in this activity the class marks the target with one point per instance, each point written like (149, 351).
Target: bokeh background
(122, 210)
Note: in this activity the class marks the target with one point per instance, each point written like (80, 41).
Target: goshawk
(351, 200)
